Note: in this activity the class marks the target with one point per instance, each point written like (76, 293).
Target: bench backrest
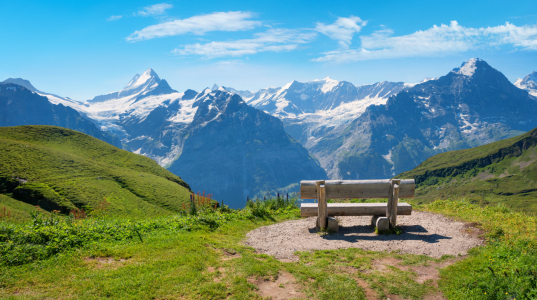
(356, 189)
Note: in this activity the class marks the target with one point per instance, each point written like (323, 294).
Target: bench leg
(323, 210)
(393, 199)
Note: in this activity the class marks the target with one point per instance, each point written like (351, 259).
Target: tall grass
(48, 234)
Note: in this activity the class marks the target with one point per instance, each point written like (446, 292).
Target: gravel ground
(423, 233)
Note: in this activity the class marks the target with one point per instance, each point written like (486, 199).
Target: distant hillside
(500, 172)
(61, 169)
(21, 106)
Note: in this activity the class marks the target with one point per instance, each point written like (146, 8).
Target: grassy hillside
(501, 172)
(62, 169)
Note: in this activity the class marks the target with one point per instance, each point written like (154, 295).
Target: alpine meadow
(284, 150)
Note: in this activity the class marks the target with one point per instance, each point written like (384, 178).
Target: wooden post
(393, 200)
(321, 204)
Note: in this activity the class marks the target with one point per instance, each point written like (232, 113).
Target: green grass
(201, 256)
(61, 169)
(182, 257)
(506, 268)
(503, 172)
(116, 254)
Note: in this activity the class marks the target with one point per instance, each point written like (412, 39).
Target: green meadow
(135, 241)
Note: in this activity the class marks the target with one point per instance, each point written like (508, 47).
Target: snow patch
(468, 67)
(409, 85)
(329, 84)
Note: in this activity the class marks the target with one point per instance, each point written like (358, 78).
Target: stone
(333, 226)
(383, 224)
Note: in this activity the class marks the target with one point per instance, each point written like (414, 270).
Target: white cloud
(342, 30)
(113, 18)
(153, 10)
(524, 37)
(435, 41)
(273, 40)
(219, 21)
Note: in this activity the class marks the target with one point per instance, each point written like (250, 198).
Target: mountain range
(213, 139)
(239, 143)
(470, 106)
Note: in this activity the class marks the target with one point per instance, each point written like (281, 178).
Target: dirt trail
(423, 233)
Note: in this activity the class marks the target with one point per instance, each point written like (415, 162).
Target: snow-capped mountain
(54, 99)
(529, 83)
(22, 104)
(212, 139)
(140, 86)
(312, 110)
(470, 106)
(231, 148)
(234, 148)
(297, 98)
(136, 100)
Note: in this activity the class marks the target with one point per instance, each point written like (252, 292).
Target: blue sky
(81, 49)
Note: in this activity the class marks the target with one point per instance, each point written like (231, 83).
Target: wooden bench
(321, 190)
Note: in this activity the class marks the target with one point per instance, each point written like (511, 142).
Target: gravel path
(423, 233)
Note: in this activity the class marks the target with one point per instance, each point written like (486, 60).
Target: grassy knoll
(200, 256)
(62, 169)
(503, 172)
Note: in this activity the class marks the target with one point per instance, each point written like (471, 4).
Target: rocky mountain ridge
(21, 106)
(470, 106)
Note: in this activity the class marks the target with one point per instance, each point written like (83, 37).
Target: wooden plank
(354, 209)
(322, 211)
(357, 189)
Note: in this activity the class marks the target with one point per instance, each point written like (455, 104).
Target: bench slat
(354, 209)
(357, 189)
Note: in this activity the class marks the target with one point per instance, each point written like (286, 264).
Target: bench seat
(354, 209)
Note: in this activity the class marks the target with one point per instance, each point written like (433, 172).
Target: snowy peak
(469, 67)
(529, 83)
(148, 76)
(139, 87)
(328, 84)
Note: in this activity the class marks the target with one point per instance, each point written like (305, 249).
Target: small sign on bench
(321, 190)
